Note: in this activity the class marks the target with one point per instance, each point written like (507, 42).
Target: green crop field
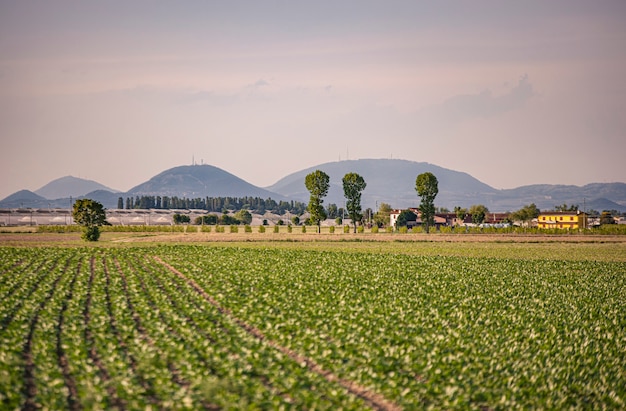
(313, 326)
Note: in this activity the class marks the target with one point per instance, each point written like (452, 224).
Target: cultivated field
(208, 321)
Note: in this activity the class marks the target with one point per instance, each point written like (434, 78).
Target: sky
(512, 93)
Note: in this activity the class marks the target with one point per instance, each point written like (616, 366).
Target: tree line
(212, 204)
(90, 214)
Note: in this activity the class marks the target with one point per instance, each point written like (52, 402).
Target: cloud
(484, 104)
(435, 125)
(209, 97)
(259, 83)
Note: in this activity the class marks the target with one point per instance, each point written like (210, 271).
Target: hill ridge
(69, 186)
(194, 181)
(391, 181)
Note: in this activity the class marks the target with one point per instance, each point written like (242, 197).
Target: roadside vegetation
(612, 229)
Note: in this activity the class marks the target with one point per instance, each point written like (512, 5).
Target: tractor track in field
(375, 400)
(92, 353)
(200, 331)
(29, 389)
(70, 383)
(145, 384)
(175, 373)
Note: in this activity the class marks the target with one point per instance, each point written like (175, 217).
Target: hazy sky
(513, 93)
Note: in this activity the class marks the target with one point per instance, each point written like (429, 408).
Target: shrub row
(603, 230)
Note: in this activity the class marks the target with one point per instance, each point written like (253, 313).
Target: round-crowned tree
(89, 214)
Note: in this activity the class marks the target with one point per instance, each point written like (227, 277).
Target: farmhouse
(562, 219)
(393, 215)
(440, 219)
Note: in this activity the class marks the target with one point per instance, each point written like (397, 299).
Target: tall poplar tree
(426, 185)
(317, 183)
(353, 184)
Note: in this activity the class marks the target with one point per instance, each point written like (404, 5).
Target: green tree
(317, 183)
(227, 219)
(478, 213)
(606, 218)
(89, 214)
(460, 213)
(244, 216)
(210, 219)
(353, 185)
(526, 214)
(332, 210)
(404, 217)
(426, 185)
(180, 219)
(564, 207)
(381, 218)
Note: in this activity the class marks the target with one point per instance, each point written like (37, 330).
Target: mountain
(393, 182)
(104, 197)
(69, 186)
(28, 199)
(199, 181)
(23, 198)
(597, 196)
(390, 181)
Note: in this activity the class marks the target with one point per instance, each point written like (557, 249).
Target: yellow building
(562, 219)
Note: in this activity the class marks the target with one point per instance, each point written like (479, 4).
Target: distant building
(496, 218)
(393, 215)
(571, 220)
(440, 219)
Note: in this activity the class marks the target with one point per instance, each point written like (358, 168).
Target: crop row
(435, 332)
(90, 329)
(286, 328)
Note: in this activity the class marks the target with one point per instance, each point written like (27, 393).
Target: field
(197, 322)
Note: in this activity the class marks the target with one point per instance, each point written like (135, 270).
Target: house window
(561, 218)
(571, 219)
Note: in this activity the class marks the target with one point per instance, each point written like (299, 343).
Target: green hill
(389, 181)
(199, 181)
